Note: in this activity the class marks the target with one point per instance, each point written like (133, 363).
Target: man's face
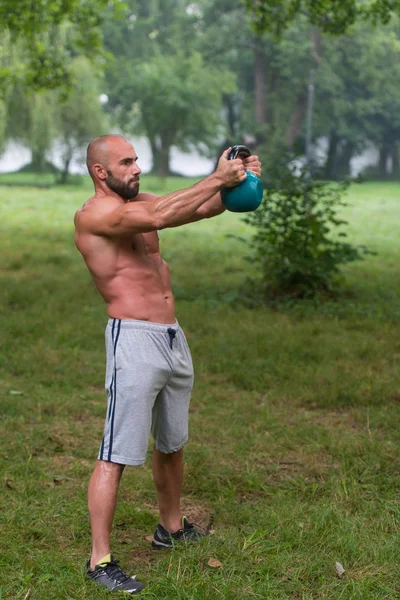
(123, 171)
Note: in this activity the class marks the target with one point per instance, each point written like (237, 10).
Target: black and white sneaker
(108, 574)
(163, 539)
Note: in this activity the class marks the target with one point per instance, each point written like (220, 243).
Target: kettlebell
(248, 194)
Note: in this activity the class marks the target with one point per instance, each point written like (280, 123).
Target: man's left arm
(214, 206)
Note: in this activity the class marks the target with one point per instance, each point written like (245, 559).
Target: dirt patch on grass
(145, 556)
(196, 513)
(333, 419)
(62, 461)
(139, 549)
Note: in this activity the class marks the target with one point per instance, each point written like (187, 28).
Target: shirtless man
(149, 373)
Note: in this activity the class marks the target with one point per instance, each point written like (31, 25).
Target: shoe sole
(160, 546)
(131, 593)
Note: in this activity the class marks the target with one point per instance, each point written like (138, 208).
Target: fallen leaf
(213, 562)
(27, 594)
(60, 479)
(339, 570)
(148, 538)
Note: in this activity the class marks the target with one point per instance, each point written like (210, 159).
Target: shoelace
(190, 526)
(115, 572)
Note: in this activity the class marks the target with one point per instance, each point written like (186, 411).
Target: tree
(358, 96)
(31, 121)
(38, 119)
(158, 84)
(229, 39)
(175, 101)
(37, 27)
(80, 115)
(3, 114)
(331, 17)
(272, 91)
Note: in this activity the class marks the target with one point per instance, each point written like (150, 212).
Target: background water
(189, 164)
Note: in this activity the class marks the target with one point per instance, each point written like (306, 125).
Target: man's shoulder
(97, 205)
(94, 209)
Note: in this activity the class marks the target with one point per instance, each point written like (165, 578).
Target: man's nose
(137, 170)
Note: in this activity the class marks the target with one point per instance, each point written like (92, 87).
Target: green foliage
(300, 239)
(178, 99)
(331, 17)
(80, 116)
(357, 99)
(356, 81)
(36, 29)
(72, 117)
(32, 122)
(158, 82)
(3, 113)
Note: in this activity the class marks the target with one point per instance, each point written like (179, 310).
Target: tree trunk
(343, 163)
(65, 171)
(161, 163)
(331, 159)
(273, 109)
(232, 117)
(160, 150)
(395, 154)
(232, 121)
(383, 161)
(300, 107)
(161, 158)
(296, 119)
(260, 86)
(38, 161)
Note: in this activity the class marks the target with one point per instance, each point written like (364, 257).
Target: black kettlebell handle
(239, 151)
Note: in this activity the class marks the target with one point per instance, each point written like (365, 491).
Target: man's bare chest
(145, 247)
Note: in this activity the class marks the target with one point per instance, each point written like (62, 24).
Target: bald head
(98, 151)
(111, 162)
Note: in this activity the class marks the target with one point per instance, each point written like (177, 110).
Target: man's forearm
(212, 207)
(178, 207)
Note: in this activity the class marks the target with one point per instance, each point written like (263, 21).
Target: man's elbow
(158, 220)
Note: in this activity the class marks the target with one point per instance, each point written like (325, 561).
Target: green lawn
(294, 446)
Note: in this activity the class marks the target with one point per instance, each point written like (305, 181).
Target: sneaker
(108, 574)
(163, 539)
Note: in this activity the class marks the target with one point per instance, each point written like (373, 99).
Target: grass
(294, 445)
(41, 180)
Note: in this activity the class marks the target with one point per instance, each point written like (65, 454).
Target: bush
(300, 240)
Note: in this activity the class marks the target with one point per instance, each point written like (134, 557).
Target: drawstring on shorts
(172, 334)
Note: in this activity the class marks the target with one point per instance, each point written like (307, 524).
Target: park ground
(293, 457)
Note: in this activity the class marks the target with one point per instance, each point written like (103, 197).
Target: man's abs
(143, 301)
(132, 278)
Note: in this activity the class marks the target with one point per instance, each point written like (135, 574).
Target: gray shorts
(149, 378)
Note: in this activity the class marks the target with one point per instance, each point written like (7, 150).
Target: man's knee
(109, 469)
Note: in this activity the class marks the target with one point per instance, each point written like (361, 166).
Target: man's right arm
(176, 208)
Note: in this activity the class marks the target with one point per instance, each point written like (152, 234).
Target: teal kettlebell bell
(248, 194)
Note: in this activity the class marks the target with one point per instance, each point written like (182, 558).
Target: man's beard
(125, 190)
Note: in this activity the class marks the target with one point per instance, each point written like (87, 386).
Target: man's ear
(99, 171)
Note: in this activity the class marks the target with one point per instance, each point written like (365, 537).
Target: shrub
(300, 241)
